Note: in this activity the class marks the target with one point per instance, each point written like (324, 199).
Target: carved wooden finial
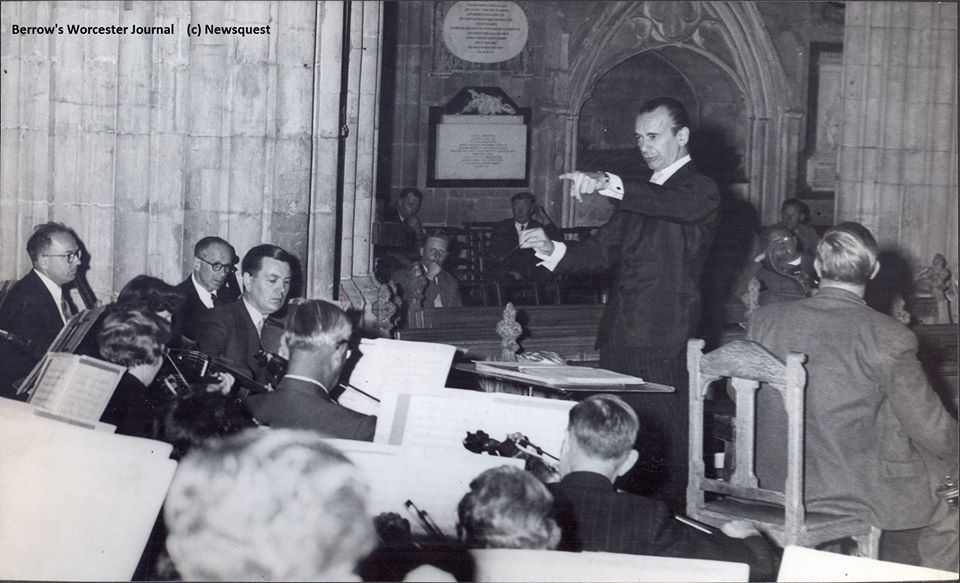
(385, 308)
(509, 330)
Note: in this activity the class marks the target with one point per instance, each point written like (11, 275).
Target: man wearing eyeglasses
(206, 288)
(36, 307)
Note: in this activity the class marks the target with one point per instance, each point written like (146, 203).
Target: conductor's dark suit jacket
(30, 313)
(656, 244)
(595, 517)
(228, 332)
(297, 404)
(503, 254)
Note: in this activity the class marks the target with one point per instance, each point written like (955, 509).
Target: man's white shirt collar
(255, 315)
(55, 290)
(206, 297)
(664, 174)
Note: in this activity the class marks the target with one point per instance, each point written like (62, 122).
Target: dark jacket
(185, 322)
(595, 517)
(504, 256)
(228, 332)
(135, 409)
(297, 404)
(656, 244)
(30, 313)
(878, 439)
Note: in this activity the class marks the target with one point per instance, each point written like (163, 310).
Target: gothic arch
(729, 34)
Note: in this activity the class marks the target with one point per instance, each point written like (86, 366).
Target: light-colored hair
(133, 337)
(847, 253)
(267, 504)
(603, 426)
(508, 508)
(315, 323)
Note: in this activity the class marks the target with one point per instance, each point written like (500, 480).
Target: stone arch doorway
(706, 42)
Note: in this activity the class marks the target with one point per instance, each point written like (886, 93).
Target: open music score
(76, 388)
(433, 480)
(442, 420)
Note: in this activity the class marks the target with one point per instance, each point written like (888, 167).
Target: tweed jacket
(656, 244)
(297, 404)
(878, 439)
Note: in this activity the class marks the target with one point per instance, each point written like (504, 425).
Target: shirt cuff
(551, 261)
(614, 187)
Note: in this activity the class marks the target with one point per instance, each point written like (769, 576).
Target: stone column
(898, 140)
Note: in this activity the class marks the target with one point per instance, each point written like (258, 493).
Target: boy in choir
(316, 342)
(268, 506)
(594, 516)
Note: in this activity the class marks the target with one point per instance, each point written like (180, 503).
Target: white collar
(206, 296)
(297, 377)
(664, 174)
(255, 315)
(55, 290)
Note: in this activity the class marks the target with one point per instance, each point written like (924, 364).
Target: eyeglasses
(218, 267)
(71, 257)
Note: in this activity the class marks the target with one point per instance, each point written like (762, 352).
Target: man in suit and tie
(213, 264)
(594, 516)
(504, 257)
(425, 284)
(233, 331)
(37, 307)
(656, 245)
(316, 343)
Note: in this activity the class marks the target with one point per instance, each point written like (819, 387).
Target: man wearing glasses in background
(208, 285)
(36, 307)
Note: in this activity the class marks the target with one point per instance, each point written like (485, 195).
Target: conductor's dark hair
(40, 240)
(253, 260)
(150, 294)
(678, 113)
(406, 191)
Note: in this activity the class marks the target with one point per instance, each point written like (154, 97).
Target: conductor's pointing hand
(537, 240)
(585, 182)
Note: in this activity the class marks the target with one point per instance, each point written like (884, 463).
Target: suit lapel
(50, 311)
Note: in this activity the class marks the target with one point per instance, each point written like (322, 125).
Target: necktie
(214, 299)
(65, 307)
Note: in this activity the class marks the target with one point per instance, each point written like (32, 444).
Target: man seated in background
(232, 331)
(268, 506)
(782, 272)
(213, 265)
(315, 341)
(37, 307)
(794, 214)
(594, 516)
(400, 235)
(425, 284)
(507, 508)
(505, 259)
(878, 440)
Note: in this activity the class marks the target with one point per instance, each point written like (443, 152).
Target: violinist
(315, 340)
(232, 332)
(36, 308)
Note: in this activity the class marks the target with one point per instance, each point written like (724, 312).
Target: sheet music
(443, 420)
(389, 366)
(552, 374)
(75, 387)
(435, 483)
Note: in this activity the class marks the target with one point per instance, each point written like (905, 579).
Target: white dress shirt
(255, 315)
(206, 297)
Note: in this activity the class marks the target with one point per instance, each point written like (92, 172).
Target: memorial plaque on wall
(480, 36)
(479, 139)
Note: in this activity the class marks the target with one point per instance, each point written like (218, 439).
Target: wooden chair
(781, 514)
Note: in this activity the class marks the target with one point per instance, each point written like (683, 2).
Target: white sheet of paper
(434, 481)
(75, 387)
(442, 420)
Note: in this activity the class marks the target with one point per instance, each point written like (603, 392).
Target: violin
(191, 368)
(516, 445)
